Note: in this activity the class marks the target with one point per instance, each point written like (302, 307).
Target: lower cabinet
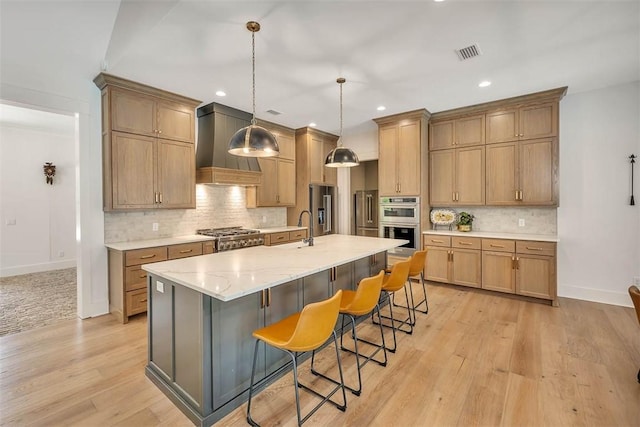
(519, 267)
(282, 237)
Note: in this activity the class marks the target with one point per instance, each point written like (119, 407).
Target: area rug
(33, 300)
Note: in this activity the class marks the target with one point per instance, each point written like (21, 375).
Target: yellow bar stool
(418, 260)
(391, 284)
(361, 302)
(307, 330)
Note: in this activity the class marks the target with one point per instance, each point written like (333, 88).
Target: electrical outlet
(160, 287)
(636, 281)
(155, 226)
(264, 218)
(521, 222)
(61, 254)
(11, 221)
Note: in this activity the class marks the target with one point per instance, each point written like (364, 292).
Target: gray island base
(203, 310)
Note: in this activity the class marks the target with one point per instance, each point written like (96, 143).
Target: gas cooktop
(233, 237)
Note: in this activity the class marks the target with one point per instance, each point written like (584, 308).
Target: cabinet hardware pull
(513, 262)
(517, 263)
(437, 241)
(516, 135)
(531, 248)
(147, 256)
(521, 196)
(466, 243)
(160, 197)
(457, 196)
(142, 276)
(522, 134)
(517, 195)
(143, 300)
(268, 297)
(262, 299)
(453, 196)
(155, 197)
(186, 251)
(496, 246)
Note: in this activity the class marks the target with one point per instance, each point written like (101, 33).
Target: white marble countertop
(280, 229)
(496, 235)
(231, 274)
(152, 243)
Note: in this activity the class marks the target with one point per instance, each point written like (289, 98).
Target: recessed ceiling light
(381, 108)
(312, 125)
(438, 1)
(221, 93)
(484, 83)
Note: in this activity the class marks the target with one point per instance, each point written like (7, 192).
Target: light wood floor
(475, 359)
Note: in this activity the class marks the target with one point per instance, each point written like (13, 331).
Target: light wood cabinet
(521, 267)
(462, 131)
(454, 260)
(128, 281)
(281, 237)
(148, 138)
(399, 158)
(523, 173)
(278, 186)
(457, 176)
(522, 122)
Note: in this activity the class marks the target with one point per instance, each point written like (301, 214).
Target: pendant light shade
(341, 156)
(253, 140)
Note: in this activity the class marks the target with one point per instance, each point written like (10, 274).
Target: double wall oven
(400, 219)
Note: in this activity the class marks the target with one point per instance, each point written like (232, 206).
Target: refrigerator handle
(326, 203)
(369, 208)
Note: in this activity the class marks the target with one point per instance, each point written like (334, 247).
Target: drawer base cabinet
(201, 348)
(518, 267)
(128, 281)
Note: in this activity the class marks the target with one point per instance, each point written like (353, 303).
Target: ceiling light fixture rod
(254, 27)
(340, 81)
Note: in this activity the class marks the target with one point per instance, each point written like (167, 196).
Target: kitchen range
(229, 238)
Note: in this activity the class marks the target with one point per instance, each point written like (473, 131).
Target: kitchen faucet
(310, 239)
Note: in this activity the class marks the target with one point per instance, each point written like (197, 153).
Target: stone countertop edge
(496, 235)
(232, 274)
(152, 243)
(280, 229)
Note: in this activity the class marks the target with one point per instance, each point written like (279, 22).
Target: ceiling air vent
(274, 112)
(468, 52)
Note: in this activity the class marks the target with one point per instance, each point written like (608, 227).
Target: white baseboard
(595, 295)
(37, 268)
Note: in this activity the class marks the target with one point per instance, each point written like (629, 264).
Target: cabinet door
(441, 177)
(437, 266)
(538, 173)
(466, 267)
(267, 193)
(387, 180)
(502, 174)
(283, 302)
(232, 323)
(539, 121)
(287, 145)
(469, 131)
(408, 164)
(469, 171)
(133, 113)
(176, 174)
(133, 159)
(502, 126)
(175, 122)
(535, 276)
(330, 176)
(498, 272)
(316, 160)
(286, 183)
(441, 135)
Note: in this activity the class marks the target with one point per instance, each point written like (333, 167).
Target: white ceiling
(400, 54)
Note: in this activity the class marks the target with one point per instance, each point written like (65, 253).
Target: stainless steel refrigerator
(322, 204)
(365, 205)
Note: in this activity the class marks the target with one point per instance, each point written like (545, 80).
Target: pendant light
(253, 140)
(341, 156)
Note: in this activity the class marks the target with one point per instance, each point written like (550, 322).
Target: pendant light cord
(253, 75)
(340, 114)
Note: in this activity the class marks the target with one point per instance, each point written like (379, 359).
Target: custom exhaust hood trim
(214, 165)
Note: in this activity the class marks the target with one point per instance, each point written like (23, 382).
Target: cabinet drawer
(185, 250)
(145, 256)
(298, 234)
(276, 238)
(430, 240)
(134, 278)
(536, 248)
(466, 242)
(499, 245)
(207, 247)
(136, 301)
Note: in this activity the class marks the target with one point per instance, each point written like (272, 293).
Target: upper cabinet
(402, 142)
(278, 186)
(522, 123)
(456, 133)
(519, 164)
(148, 140)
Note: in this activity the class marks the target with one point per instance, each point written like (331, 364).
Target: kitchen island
(203, 310)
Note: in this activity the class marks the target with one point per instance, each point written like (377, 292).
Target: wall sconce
(49, 172)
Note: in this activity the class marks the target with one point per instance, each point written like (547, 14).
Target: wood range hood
(217, 123)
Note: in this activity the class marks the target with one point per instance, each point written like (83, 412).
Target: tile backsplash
(216, 206)
(506, 219)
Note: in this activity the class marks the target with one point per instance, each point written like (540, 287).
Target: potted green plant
(465, 219)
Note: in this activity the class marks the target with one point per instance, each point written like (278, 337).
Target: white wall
(599, 250)
(37, 220)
